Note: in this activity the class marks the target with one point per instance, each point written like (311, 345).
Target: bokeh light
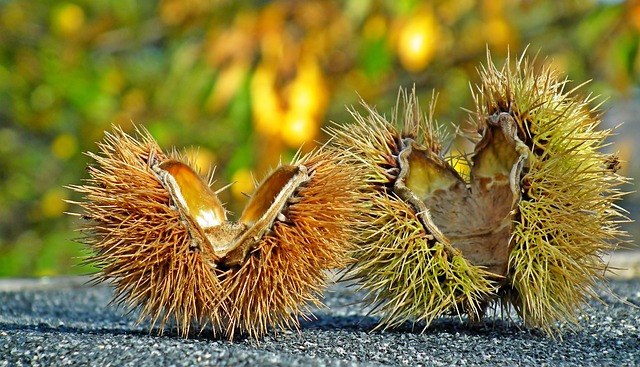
(252, 83)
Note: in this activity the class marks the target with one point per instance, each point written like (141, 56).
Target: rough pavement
(64, 323)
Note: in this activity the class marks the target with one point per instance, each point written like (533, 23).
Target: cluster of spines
(405, 272)
(565, 222)
(289, 272)
(137, 239)
(141, 244)
(567, 217)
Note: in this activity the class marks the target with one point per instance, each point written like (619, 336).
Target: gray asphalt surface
(64, 323)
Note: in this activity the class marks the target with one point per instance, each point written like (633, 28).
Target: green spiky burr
(526, 227)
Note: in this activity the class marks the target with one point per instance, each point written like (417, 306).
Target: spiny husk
(141, 244)
(288, 273)
(567, 217)
(406, 272)
(563, 217)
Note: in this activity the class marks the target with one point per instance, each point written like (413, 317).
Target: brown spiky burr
(161, 236)
(527, 225)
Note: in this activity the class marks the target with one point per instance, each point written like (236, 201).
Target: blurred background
(250, 82)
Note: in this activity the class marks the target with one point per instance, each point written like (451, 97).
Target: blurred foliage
(250, 82)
